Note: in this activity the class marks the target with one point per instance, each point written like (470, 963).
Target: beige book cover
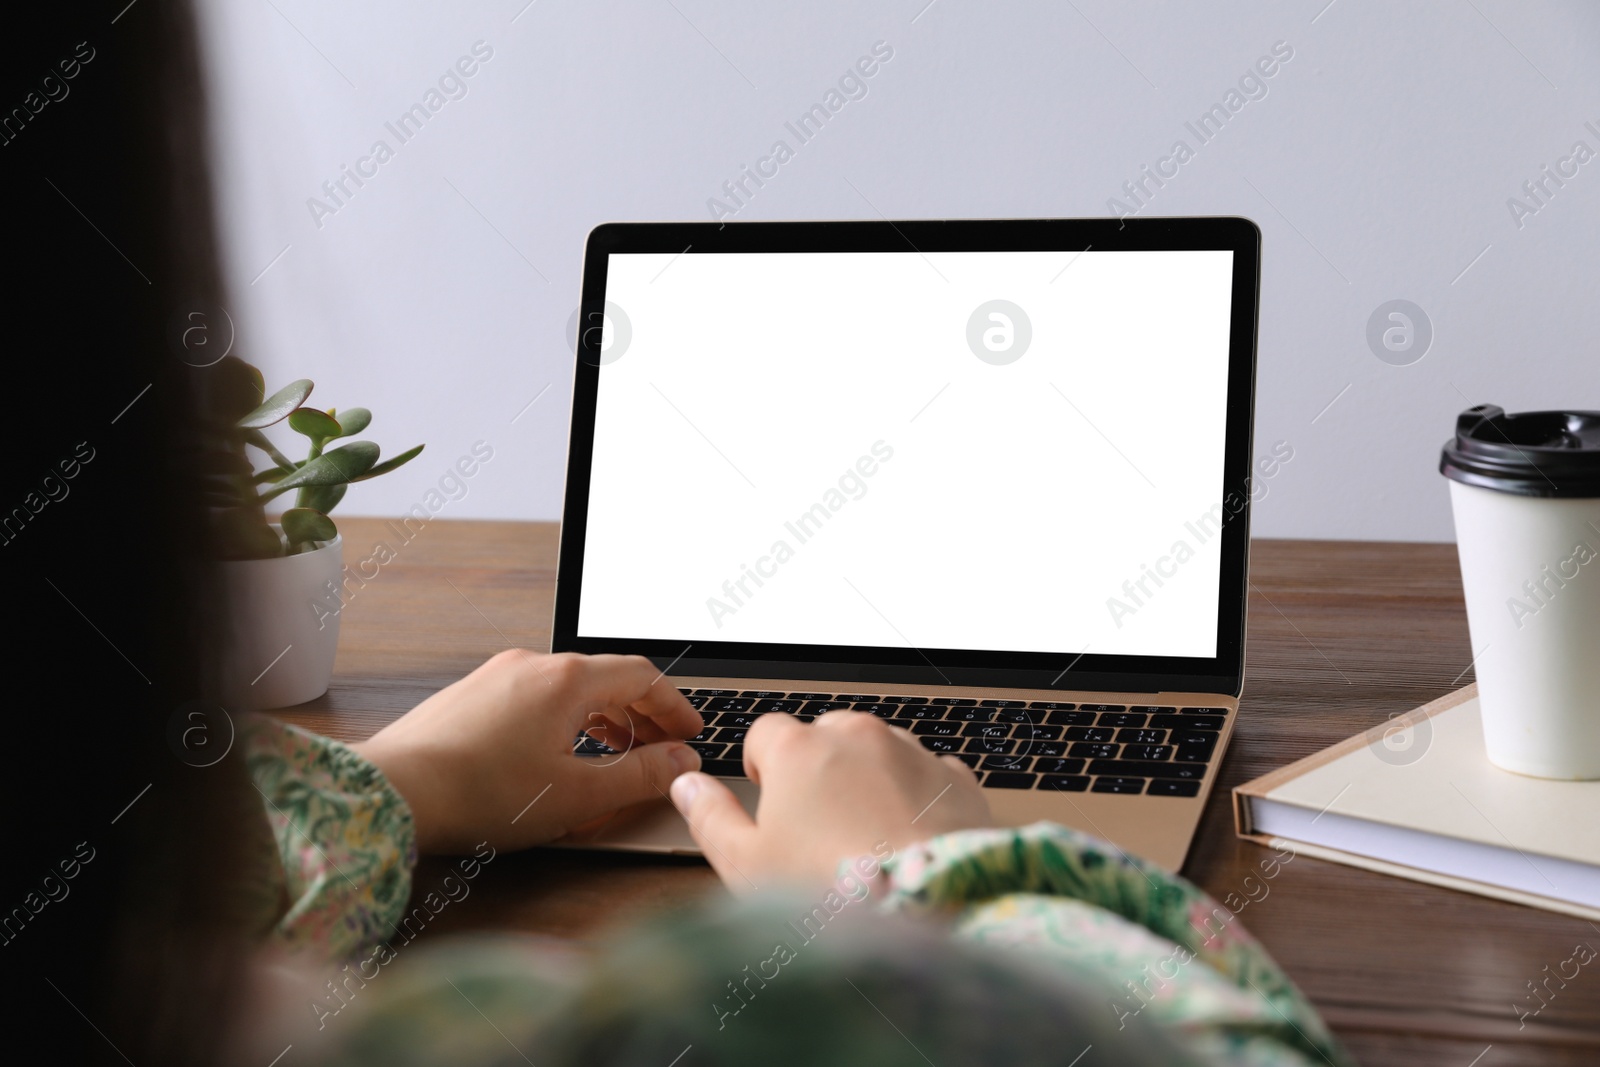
(1418, 798)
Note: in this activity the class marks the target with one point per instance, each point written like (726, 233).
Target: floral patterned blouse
(1015, 946)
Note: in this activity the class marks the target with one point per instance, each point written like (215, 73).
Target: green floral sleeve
(344, 841)
(1153, 943)
(1130, 954)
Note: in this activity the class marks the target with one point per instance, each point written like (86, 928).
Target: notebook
(1418, 798)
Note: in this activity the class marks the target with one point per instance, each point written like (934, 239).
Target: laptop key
(990, 746)
(986, 729)
(936, 728)
(1092, 733)
(1194, 738)
(1186, 722)
(1070, 718)
(731, 735)
(853, 697)
(1193, 753)
(1087, 750)
(734, 753)
(1121, 718)
(920, 711)
(1141, 737)
(716, 692)
(1020, 715)
(1206, 711)
(1172, 787)
(763, 694)
(729, 704)
(1127, 768)
(941, 745)
(882, 711)
(903, 700)
(1152, 709)
(1007, 763)
(971, 759)
(788, 706)
(810, 696)
(1118, 785)
(1043, 748)
(1103, 707)
(817, 707)
(704, 735)
(1030, 732)
(1147, 752)
(722, 768)
(954, 701)
(588, 746)
(1002, 703)
(1052, 705)
(1059, 766)
(1009, 780)
(707, 749)
(970, 714)
(697, 702)
(1064, 783)
(736, 718)
(904, 724)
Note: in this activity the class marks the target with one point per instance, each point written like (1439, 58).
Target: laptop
(989, 481)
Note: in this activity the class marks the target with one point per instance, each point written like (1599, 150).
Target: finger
(635, 683)
(609, 732)
(923, 750)
(642, 772)
(767, 735)
(904, 733)
(960, 765)
(720, 826)
(648, 730)
(621, 727)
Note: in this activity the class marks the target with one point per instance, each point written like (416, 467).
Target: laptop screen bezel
(1221, 673)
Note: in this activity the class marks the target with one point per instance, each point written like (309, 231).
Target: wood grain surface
(1342, 636)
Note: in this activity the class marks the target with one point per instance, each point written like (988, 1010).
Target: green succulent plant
(237, 494)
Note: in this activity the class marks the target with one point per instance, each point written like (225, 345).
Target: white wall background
(1378, 165)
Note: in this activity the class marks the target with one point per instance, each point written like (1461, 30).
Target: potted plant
(276, 578)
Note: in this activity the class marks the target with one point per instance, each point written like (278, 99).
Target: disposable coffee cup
(1525, 490)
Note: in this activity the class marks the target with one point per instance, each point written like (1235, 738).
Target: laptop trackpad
(653, 826)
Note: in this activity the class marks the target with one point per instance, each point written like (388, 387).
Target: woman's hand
(847, 786)
(490, 757)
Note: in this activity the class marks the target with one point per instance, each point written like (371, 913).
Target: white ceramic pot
(284, 627)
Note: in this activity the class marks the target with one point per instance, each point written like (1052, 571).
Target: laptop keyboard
(1009, 744)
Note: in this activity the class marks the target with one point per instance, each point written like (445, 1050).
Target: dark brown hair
(119, 937)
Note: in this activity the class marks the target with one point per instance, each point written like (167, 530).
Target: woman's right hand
(846, 786)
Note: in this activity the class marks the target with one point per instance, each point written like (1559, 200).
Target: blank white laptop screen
(1008, 451)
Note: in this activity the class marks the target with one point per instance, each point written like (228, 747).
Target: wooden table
(1342, 635)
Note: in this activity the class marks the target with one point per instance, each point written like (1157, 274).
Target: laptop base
(1152, 827)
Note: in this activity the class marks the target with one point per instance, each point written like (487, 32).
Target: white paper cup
(1525, 491)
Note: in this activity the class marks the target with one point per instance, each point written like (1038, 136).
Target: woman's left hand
(490, 758)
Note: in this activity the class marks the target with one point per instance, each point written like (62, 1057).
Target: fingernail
(683, 759)
(684, 789)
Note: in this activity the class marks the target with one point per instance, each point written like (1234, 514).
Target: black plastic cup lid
(1536, 453)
